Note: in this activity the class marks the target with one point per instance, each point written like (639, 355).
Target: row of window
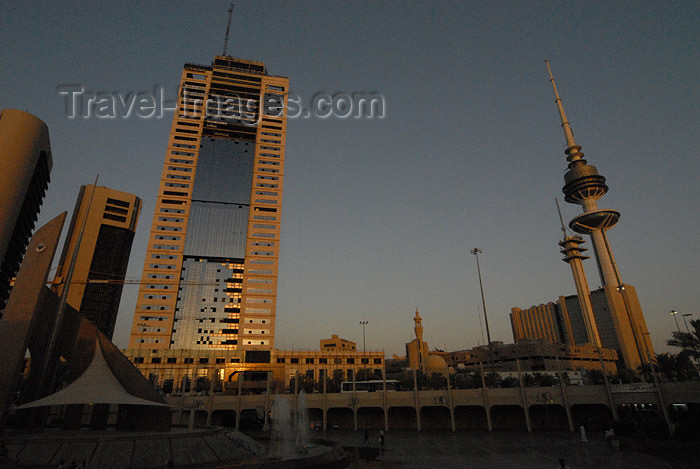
(324, 361)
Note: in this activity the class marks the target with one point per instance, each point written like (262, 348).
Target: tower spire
(228, 27)
(572, 151)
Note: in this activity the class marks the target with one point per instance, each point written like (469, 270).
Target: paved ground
(438, 450)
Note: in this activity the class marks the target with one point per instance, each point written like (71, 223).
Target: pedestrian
(562, 463)
(582, 429)
(170, 464)
(366, 442)
(381, 439)
(61, 464)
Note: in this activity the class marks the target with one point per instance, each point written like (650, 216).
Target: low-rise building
(537, 355)
(172, 370)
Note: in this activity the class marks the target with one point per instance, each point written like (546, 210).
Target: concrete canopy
(97, 385)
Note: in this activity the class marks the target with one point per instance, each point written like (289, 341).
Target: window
(189, 360)
(294, 360)
(172, 360)
(280, 360)
(310, 360)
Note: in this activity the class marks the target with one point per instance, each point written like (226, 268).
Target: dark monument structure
(71, 363)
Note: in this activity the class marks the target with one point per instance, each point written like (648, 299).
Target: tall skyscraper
(107, 220)
(25, 165)
(210, 274)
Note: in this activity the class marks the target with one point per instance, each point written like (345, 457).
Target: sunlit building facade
(102, 229)
(210, 274)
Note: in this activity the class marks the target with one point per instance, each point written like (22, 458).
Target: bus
(369, 386)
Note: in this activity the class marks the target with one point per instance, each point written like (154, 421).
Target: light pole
(364, 346)
(686, 322)
(476, 252)
(674, 313)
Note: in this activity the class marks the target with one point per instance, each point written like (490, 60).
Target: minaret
(418, 329)
(584, 186)
(572, 250)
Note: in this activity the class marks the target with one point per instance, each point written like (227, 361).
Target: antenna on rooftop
(228, 27)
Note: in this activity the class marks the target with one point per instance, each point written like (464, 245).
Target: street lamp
(364, 346)
(476, 252)
(686, 322)
(674, 313)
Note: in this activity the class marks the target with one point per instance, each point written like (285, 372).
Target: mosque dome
(435, 364)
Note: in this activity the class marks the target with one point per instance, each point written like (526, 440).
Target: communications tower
(620, 321)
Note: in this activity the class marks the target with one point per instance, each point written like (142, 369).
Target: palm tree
(689, 342)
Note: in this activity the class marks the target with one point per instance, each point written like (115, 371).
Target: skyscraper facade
(25, 165)
(210, 274)
(102, 231)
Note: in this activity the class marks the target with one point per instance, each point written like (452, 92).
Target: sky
(379, 215)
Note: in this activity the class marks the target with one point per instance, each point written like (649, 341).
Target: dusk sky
(379, 215)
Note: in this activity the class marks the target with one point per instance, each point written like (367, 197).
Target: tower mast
(584, 186)
(228, 27)
(572, 250)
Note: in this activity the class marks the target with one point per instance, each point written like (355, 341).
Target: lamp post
(686, 322)
(364, 346)
(476, 252)
(674, 313)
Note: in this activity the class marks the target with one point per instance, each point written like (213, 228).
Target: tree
(596, 376)
(437, 381)
(675, 367)
(510, 382)
(625, 376)
(334, 383)
(689, 342)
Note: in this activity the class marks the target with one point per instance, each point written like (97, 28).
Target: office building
(103, 226)
(537, 355)
(563, 323)
(213, 249)
(337, 344)
(171, 369)
(25, 165)
(538, 322)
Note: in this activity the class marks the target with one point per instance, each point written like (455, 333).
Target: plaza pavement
(446, 450)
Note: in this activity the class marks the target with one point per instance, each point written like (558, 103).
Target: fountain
(290, 427)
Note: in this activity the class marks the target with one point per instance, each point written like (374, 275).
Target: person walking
(366, 442)
(562, 463)
(381, 439)
(582, 429)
